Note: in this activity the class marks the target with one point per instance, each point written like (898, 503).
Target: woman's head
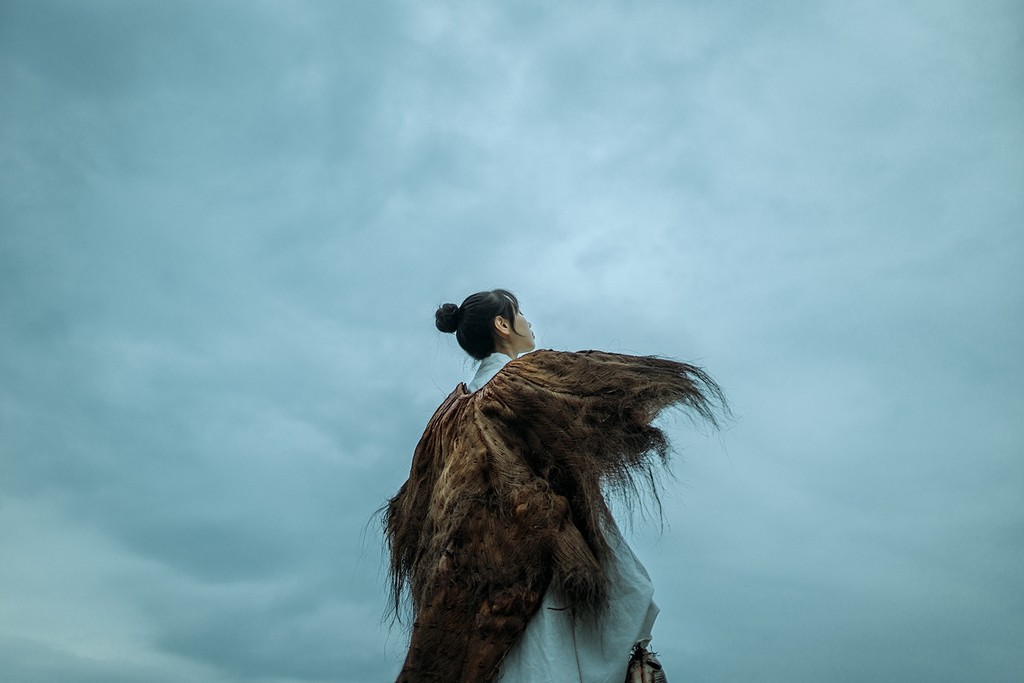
(487, 322)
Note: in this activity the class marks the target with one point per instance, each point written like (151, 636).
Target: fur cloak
(505, 497)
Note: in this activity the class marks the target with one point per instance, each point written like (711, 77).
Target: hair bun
(447, 318)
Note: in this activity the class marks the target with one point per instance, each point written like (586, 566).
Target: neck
(507, 351)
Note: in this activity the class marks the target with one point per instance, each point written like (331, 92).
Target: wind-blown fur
(505, 498)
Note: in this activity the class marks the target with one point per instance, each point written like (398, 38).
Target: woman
(502, 534)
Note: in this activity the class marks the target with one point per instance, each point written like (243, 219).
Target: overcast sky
(225, 227)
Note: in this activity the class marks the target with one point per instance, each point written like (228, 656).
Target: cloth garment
(487, 369)
(554, 647)
(504, 514)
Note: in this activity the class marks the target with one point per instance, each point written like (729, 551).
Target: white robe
(553, 648)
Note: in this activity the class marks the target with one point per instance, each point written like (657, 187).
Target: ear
(502, 327)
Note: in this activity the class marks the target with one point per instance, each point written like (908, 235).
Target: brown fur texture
(506, 496)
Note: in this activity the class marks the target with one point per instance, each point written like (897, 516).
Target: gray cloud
(224, 228)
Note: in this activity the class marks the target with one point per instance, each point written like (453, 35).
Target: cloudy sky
(225, 226)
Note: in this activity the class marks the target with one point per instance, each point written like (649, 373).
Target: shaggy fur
(506, 496)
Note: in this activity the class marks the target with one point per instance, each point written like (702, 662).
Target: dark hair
(473, 321)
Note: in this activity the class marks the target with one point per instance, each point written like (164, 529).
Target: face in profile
(514, 339)
(523, 334)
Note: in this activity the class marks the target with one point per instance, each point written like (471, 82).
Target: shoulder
(554, 364)
(544, 357)
(548, 358)
(547, 371)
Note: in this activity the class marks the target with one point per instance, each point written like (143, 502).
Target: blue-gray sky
(225, 226)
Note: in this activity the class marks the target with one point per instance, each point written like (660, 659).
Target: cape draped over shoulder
(504, 498)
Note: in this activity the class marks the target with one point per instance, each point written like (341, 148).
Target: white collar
(487, 369)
